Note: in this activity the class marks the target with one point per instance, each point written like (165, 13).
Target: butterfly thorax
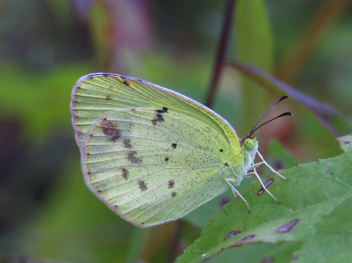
(250, 146)
(238, 169)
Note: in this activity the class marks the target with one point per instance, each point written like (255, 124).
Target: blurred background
(47, 214)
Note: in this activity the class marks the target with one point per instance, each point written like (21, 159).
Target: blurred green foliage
(46, 211)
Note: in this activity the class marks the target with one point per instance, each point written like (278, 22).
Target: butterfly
(154, 155)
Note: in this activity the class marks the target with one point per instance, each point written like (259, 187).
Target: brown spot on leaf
(287, 227)
(231, 234)
(158, 118)
(248, 237)
(174, 145)
(110, 129)
(132, 157)
(127, 143)
(278, 165)
(224, 201)
(173, 194)
(142, 185)
(171, 184)
(125, 173)
(267, 184)
(268, 260)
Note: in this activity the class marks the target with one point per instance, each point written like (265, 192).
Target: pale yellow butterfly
(154, 155)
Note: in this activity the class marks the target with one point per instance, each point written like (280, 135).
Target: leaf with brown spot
(311, 222)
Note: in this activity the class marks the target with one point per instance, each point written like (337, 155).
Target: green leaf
(313, 219)
(255, 46)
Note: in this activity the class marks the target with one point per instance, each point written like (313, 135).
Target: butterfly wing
(151, 154)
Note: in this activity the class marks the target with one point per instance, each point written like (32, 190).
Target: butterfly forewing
(151, 154)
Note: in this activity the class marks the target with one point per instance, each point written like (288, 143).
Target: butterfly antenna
(254, 127)
(281, 115)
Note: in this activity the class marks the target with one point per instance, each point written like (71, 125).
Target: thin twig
(175, 241)
(221, 53)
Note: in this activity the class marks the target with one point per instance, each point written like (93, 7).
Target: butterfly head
(250, 144)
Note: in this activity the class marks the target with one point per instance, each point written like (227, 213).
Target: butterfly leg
(263, 185)
(235, 192)
(272, 169)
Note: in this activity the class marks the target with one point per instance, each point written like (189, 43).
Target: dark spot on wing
(248, 237)
(231, 234)
(173, 194)
(105, 75)
(287, 227)
(166, 159)
(171, 184)
(108, 97)
(125, 173)
(226, 164)
(164, 110)
(346, 142)
(142, 185)
(132, 157)
(99, 191)
(158, 118)
(126, 83)
(221, 150)
(267, 184)
(110, 129)
(127, 143)
(115, 206)
(174, 145)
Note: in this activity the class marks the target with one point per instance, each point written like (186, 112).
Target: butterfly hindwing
(151, 154)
